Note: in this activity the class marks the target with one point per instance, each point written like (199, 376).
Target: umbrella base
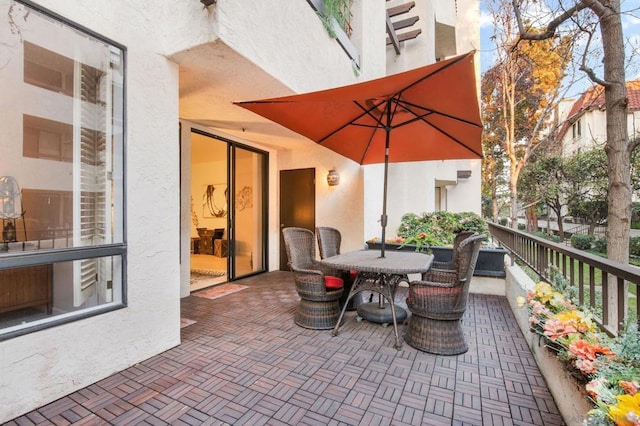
(374, 313)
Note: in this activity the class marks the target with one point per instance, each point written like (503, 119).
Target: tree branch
(552, 26)
(583, 63)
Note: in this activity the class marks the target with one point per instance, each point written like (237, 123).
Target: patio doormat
(184, 322)
(219, 290)
(198, 276)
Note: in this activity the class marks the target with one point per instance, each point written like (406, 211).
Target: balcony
(244, 361)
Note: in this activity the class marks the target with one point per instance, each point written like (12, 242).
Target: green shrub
(522, 226)
(503, 221)
(635, 225)
(438, 228)
(634, 246)
(554, 238)
(582, 242)
(600, 245)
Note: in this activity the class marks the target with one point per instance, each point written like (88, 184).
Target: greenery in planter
(437, 228)
(341, 11)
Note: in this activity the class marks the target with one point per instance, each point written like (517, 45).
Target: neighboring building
(585, 125)
(120, 139)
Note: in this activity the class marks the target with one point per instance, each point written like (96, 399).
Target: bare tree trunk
(560, 228)
(617, 146)
(618, 150)
(513, 186)
(494, 204)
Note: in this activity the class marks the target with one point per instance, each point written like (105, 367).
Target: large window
(62, 247)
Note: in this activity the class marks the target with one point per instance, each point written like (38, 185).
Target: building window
(577, 130)
(62, 247)
(47, 139)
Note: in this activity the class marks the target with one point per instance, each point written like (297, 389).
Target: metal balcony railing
(613, 304)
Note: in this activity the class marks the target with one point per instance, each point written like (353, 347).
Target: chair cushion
(420, 292)
(333, 283)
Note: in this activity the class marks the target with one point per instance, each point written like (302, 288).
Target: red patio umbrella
(428, 113)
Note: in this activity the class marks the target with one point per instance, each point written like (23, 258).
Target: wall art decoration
(215, 199)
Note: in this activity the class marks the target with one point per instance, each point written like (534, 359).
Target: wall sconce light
(464, 174)
(333, 177)
(207, 3)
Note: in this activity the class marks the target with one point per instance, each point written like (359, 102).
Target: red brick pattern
(244, 362)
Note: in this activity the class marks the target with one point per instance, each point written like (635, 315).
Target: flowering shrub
(609, 368)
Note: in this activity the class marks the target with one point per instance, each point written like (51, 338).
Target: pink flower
(554, 328)
(595, 386)
(590, 351)
(585, 366)
(629, 387)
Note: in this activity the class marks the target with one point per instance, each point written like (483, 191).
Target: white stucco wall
(594, 131)
(40, 367)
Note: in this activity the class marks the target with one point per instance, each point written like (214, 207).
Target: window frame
(52, 256)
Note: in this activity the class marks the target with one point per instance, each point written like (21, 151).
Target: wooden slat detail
(405, 23)
(400, 9)
(392, 36)
(406, 36)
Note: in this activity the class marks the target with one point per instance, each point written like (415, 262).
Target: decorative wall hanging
(244, 198)
(215, 199)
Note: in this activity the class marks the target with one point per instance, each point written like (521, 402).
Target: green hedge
(582, 242)
(600, 245)
(634, 246)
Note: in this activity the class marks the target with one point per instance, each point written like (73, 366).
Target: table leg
(379, 283)
(354, 289)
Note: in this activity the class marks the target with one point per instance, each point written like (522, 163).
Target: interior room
(209, 212)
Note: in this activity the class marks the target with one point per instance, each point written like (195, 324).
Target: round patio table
(379, 275)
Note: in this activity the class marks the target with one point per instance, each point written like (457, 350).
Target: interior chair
(319, 290)
(329, 240)
(451, 264)
(437, 303)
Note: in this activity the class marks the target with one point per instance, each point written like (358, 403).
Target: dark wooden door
(297, 204)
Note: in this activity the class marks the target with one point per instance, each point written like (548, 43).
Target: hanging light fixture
(333, 177)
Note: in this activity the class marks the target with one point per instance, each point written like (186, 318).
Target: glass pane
(249, 212)
(32, 295)
(209, 211)
(62, 115)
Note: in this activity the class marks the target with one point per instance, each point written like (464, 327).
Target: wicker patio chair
(318, 289)
(451, 265)
(329, 240)
(438, 301)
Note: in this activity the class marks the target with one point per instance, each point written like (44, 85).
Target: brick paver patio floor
(244, 362)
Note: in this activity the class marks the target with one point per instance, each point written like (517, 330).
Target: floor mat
(219, 291)
(184, 322)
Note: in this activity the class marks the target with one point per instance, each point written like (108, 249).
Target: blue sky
(631, 30)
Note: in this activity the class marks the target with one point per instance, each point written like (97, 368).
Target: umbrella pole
(383, 218)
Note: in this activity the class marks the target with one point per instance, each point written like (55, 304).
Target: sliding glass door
(248, 216)
(228, 208)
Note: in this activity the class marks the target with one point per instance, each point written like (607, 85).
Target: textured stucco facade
(186, 64)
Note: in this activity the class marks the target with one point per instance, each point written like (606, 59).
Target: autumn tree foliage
(590, 17)
(519, 94)
(595, 19)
